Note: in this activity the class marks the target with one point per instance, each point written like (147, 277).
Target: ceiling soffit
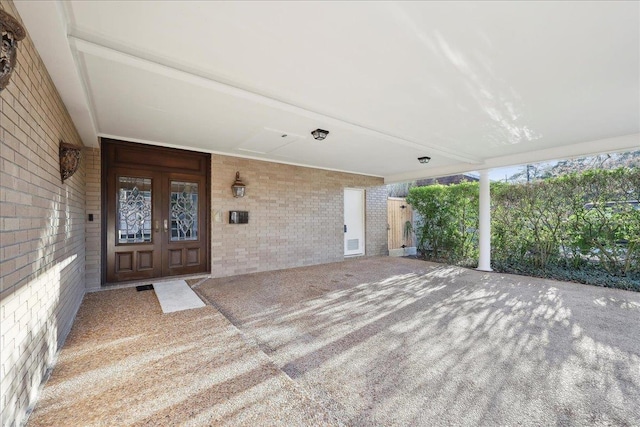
(391, 81)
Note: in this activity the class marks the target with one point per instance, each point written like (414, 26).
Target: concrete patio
(377, 341)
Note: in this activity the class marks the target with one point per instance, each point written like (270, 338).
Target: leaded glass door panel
(134, 210)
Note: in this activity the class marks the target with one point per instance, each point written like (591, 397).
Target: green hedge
(582, 227)
(448, 227)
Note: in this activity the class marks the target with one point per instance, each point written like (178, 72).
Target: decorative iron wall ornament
(12, 32)
(69, 160)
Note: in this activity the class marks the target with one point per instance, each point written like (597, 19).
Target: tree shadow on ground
(403, 344)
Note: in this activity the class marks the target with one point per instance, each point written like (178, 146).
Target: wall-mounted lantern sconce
(320, 134)
(69, 160)
(424, 160)
(238, 187)
(12, 32)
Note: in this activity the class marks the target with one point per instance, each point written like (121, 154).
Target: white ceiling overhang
(473, 85)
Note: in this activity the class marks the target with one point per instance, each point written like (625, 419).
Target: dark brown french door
(156, 217)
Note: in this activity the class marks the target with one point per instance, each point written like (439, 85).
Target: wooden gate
(398, 213)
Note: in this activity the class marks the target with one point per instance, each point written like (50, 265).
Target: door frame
(362, 192)
(190, 162)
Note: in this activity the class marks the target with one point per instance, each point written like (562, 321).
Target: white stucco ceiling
(473, 85)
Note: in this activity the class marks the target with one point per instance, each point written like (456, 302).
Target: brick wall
(91, 158)
(296, 216)
(42, 231)
(376, 221)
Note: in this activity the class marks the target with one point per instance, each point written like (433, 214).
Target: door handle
(345, 228)
(156, 225)
(166, 225)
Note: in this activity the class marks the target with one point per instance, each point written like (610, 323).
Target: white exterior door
(353, 221)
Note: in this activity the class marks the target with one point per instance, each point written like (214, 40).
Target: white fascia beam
(46, 25)
(571, 151)
(100, 48)
(583, 149)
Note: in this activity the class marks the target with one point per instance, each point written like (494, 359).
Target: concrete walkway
(376, 341)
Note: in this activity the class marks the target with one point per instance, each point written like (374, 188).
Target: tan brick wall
(296, 216)
(376, 221)
(42, 231)
(91, 158)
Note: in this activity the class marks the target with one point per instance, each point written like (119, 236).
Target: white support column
(484, 261)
